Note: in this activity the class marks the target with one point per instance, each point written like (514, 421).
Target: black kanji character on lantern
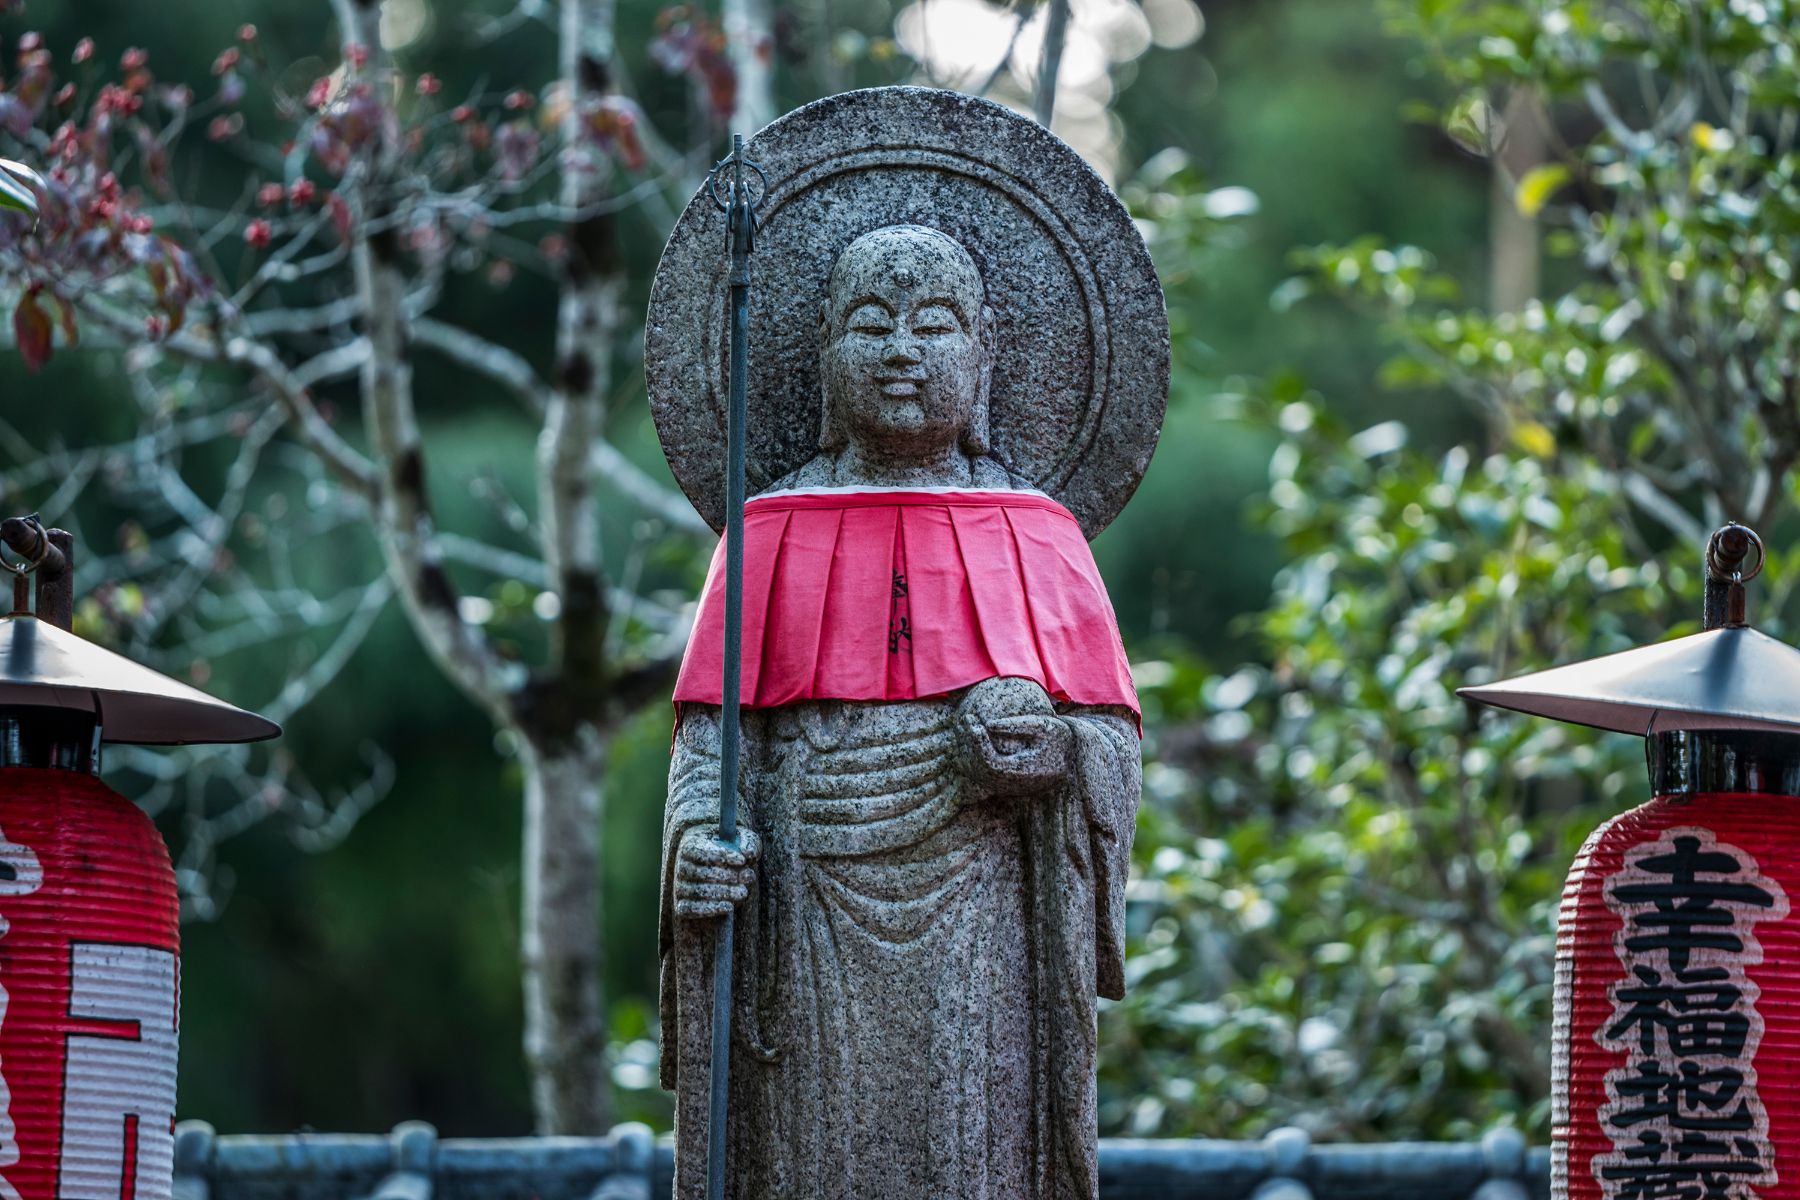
(1650, 1172)
(1686, 913)
(1695, 1017)
(1683, 1099)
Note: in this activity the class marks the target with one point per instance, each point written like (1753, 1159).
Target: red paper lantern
(88, 970)
(1676, 1039)
(89, 912)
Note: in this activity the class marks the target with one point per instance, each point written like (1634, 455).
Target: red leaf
(631, 147)
(31, 329)
(340, 215)
(65, 314)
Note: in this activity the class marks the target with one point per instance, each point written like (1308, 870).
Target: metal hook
(1726, 551)
(23, 568)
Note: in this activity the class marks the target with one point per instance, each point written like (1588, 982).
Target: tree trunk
(1513, 237)
(559, 946)
(750, 40)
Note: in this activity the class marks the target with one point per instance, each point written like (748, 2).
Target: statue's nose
(902, 347)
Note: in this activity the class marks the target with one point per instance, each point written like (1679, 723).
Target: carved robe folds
(917, 966)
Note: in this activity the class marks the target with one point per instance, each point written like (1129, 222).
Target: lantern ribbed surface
(90, 978)
(1676, 1040)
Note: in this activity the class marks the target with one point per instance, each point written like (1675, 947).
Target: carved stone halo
(1081, 373)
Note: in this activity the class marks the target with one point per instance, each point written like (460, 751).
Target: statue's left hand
(1012, 741)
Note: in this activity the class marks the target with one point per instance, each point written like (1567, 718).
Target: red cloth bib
(864, 594)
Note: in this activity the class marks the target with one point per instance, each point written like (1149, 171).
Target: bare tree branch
(1056, 33)
(404, 520)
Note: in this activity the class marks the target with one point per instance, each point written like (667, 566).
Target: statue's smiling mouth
(899, 385)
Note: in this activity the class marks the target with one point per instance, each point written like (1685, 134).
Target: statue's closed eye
(870, 318)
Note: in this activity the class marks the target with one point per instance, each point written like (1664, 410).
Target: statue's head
(907, 346)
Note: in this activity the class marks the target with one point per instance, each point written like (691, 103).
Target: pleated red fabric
(900, 595)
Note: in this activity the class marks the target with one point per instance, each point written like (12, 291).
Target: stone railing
(414, 1164)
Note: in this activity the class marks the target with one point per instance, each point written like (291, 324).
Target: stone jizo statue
(940, 780)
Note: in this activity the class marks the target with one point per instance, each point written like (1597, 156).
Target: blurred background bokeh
(1347, 880)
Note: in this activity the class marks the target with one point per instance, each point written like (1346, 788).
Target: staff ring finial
(720, 187)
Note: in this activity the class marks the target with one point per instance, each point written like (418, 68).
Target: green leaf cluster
(1348, 877)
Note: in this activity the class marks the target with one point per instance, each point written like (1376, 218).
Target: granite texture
(930, 893)
(1080, 367)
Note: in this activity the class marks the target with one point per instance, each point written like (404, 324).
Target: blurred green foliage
(1349, 877)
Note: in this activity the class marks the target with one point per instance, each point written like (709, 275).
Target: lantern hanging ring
(28, 565)
(1726, 551)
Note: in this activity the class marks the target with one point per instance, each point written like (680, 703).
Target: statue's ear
(975, 439)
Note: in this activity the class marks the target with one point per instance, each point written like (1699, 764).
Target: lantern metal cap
(46, 667)
(1732, 678)
(1729, 676)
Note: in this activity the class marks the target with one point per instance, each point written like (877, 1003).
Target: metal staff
(739, 205)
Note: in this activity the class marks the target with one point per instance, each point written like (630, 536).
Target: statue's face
(903, 343)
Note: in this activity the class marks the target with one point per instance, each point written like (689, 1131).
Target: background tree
(366, 196)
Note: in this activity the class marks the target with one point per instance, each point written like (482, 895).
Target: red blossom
(270, 194)
(227, 60)
(301, 192)
(65, 95)
(155, 327)
(84, 50)
(462, 114)
(133, 59)
(357, 55)
(428, 85)
(29, 41)
(246, 33)
(319, 94)
(518, 101)
(221, 128)
(259, 233)
(116, 100)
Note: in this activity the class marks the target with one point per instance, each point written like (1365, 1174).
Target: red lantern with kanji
(1676, 1039)
(89, 945)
